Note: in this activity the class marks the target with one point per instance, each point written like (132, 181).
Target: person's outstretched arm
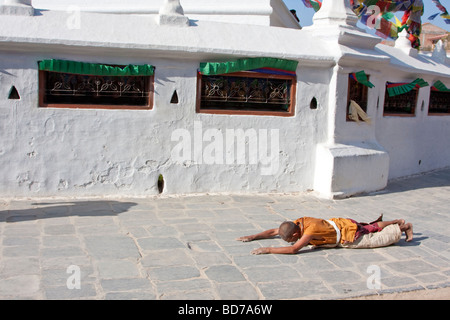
(303, 241)
(262, 235)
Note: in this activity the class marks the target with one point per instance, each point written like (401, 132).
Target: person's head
(289, 231)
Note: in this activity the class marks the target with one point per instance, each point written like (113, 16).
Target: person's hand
(245, 239)
(260, 251)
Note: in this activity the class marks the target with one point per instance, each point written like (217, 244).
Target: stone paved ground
(184, 247)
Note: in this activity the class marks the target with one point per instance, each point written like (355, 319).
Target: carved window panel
(439, 103)
(402, 104)
(246, 93)
(66, 90)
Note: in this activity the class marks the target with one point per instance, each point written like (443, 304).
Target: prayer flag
(445, 15)
(395, 89)
(264, 64)
(361, 77)
(315, 4)
(96, 69)
(439, 86)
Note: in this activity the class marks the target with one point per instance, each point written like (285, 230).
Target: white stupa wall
(47, 152)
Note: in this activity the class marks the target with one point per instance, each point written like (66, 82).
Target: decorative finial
(404, 44)
(172, 13)
(439, 53)
(335, 12)
(17, 7)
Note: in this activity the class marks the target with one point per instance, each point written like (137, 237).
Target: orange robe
(326, 232)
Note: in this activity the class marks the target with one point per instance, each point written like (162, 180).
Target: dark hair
(287, 229)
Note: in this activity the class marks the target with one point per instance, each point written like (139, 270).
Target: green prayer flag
(439, 86)
(388, 15)
(407, 87)
(361, 77)
(215, 68)
(95, 69)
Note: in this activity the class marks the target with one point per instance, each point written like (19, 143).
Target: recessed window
(247, 93)
(358, 93)
(439, 103)
(439, 100)
(404, 104)
(82, 85)
(401, 98)
(255, 86)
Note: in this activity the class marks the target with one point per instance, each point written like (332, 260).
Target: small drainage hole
(313, 104)
(13, 94)
(160, 183)
(174, 99)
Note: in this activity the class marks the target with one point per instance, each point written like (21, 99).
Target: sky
(306, 14)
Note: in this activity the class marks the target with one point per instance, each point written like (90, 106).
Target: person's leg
(389, 235)
(382, 224)
(407, 228)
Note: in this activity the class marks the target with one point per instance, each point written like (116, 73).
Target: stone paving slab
(164, 248)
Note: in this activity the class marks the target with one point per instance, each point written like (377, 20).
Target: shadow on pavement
(416, 241)
(45, 210)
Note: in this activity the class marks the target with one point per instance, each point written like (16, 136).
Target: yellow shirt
(323, 229)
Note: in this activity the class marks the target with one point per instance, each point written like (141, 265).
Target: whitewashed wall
(78, 152)
(419, 143)
(70, 152)
(415, 144)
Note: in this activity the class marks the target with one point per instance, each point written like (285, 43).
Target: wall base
(345, 170)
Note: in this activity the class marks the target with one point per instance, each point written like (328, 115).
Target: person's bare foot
(409, 232)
